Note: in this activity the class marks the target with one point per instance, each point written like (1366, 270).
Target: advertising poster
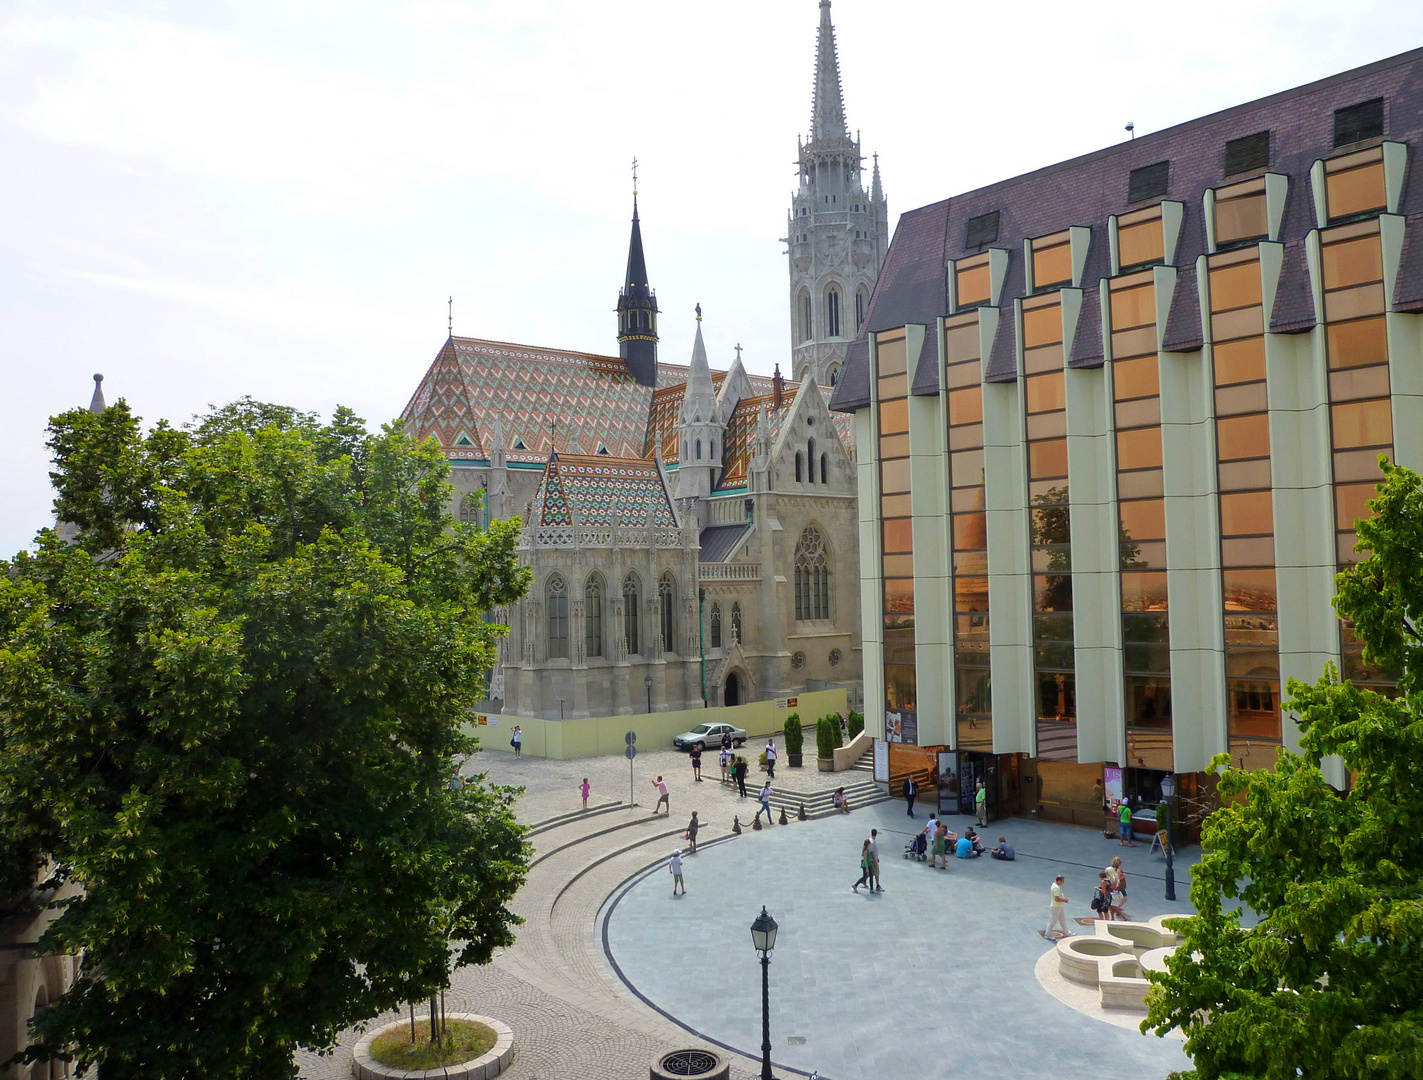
(1113, 784)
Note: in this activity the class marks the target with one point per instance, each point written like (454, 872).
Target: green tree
(1329, 984)
(229, 714)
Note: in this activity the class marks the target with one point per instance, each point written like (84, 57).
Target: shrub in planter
(794, 738)
(857, 723)
(838, 733)
(827, 737)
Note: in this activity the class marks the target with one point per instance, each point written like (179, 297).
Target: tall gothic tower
(637, 312)
(837, 233)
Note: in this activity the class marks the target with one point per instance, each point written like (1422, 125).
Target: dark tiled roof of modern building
(1293, 312)
(1086, 190)
(1183, 324)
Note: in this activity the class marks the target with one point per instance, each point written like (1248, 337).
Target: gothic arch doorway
(731, 694)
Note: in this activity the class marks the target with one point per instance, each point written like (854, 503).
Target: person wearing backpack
(1102, 896)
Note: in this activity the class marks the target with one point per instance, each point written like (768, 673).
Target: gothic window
(860, 302)
(472, 508)
(557, 619)
(810, 458)
(630, 614)
(713, 450)
(805, 328)
(798, 467)
(736, 623)
(834, 375)
(699, 449)
(716, 626)
(832, 311)
(812, 576)
(667, 592)
(593, 617)
(824, 468)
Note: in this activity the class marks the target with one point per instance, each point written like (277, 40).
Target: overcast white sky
(203, 200)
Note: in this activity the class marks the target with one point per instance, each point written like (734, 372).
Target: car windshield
(701, 729)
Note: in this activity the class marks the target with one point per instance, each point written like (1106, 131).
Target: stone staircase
(858, 793)
(866, 762)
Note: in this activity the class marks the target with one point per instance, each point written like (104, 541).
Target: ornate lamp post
(1168, 790)
(647, 682)
(763, 936)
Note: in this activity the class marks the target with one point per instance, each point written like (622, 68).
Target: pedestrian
(674, 867)
(911, 792)
(663, 797)
(765, 797)
(739, 768)
(697, 764)
(1118, 879)
(877, 885)
(584, 789)
(1057, 908)
(866, 867)
(1004, 850)
(980, 799)
(692, 827)
(517, 741)
(726, 740)
(938, 852)
(1102, 897)
(456, 781)
(1124, 818)
(725, 758)
(770, 759)
(933, 824)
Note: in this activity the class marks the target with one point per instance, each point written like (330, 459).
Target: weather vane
(452, 316)
(634, 176)
(699, 313)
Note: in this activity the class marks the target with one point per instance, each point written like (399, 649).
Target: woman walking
(867, 866)
(940, 849)
(1102, 897)
(692, 827)
(1119, 888)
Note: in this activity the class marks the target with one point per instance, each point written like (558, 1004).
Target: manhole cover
(689, 1063)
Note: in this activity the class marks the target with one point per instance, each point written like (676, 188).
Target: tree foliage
(1329, 984)
(229, 714)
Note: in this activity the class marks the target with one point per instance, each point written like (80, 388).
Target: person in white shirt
(875, 884)
(674, 867)
(1057, 908)
(725, 759)
(771, 759)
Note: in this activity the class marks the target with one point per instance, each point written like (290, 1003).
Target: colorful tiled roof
(737, 443)
(591, 400)
(663, 416)
(603, 492)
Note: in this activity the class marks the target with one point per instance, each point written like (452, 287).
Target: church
(692, 531)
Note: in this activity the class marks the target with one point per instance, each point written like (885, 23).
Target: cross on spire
(634, 178)
(452, 316)
(738, 352)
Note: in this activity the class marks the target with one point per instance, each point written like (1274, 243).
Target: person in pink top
(583, 790)
(663, 798)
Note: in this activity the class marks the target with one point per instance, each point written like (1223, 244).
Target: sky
(205, 200)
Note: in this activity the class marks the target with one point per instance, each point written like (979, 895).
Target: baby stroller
(917, 848)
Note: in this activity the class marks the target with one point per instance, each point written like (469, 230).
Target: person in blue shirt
(1004, 850)
(964, 848)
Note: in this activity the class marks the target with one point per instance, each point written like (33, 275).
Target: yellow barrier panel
(602, 735)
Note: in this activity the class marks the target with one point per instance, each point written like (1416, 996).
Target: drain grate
(689, 1063)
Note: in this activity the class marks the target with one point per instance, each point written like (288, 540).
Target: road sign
(630, 752)
(630, 738)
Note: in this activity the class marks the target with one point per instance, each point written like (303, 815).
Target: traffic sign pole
(631, 752)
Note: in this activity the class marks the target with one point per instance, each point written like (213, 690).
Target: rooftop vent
(982, 230)
(1247, 153)
(1149, 182)
(1358, 122)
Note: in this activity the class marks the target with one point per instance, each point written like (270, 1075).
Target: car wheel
(701, 746)
(738, 743)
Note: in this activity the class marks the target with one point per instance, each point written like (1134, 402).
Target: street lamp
(1168, 789)
(647, 682)
(763, 936)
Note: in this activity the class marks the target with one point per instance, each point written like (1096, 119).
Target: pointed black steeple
(637, 312)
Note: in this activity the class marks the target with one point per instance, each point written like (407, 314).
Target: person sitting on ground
(1004, 850)
(964, 849)
(841, 803)
(973, 838)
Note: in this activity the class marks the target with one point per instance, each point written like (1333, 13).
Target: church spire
(827, 112)
(637, 308)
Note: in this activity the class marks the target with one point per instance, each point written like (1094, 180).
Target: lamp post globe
(763, 937)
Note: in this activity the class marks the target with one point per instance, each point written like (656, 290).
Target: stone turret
(700, 428)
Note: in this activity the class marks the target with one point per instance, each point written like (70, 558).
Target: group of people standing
(1109, 899)
(869, 864)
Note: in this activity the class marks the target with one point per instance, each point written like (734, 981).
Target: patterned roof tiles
(603, 492)
(737, 442)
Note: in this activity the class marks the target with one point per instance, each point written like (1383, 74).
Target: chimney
(778, 387)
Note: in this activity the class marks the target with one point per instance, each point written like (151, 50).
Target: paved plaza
(932, 977)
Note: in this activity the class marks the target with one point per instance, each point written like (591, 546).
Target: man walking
(766, 802)
(1057, 909)
(875, 884)
(663, 797)
(674, 867)
(697, 764)
(770, 759)
(911, 792)
(725, 759)
(980, 800)
(738, 770)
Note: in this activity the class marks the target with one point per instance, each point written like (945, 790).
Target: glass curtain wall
(1247, 546)
(897, 525)
(1146, 648)
(1046, 421)
(969, 536)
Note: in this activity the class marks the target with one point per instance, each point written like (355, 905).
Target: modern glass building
(1116, 419)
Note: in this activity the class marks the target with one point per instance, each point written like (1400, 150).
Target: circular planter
(697, 1064)
(825, 764)
(365, 1067)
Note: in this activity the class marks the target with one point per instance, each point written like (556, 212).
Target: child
(583, 790)
(674, 867)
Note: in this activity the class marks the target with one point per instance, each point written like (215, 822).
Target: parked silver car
(709, 736)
